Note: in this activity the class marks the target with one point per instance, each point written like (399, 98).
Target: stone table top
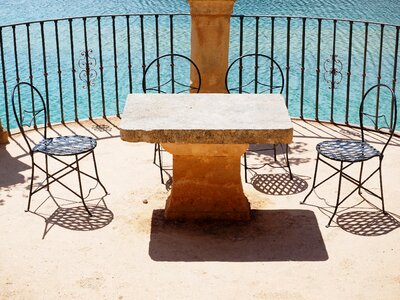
(206, 119)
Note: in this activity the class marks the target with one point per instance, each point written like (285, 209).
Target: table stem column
(207, 183)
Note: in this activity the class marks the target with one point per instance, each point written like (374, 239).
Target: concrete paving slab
(128, 251)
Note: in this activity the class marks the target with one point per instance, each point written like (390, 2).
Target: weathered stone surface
(210, 42)
(207, 183)
(211, 7)
(206, 119)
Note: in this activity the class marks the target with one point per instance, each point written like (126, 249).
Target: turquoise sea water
(370, 10)
(23, 11)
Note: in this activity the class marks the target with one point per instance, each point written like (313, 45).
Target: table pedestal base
(3, 136)
(207, 183)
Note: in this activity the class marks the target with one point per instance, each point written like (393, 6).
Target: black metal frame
(55, 148)
(347, 157)
(160, 87)
(267, 83)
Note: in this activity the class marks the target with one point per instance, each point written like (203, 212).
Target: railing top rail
(93, 17)
(316, 18)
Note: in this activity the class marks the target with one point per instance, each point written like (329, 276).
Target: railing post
(3, 135)
(210, 41)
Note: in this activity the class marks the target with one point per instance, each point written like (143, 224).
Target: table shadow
(271, 235)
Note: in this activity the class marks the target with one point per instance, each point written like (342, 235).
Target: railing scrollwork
(87, 63)
(333, 71)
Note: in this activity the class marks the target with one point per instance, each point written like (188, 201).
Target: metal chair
(56, 148)
(170, 73)
(256, 74)
(349, 152)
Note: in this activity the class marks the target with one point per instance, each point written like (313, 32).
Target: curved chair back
(30, 112)
(254, 74)
(171, 73)
(380, 114)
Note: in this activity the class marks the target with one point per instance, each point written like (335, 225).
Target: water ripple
(371, 10)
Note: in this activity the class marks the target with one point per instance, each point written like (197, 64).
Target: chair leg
(314, 180)
(80, 185)
(97, 174)
(381, 184)
(338, 195)
(155, 153)
(160, 163)
(274, 152)
(245, 166)
(360, 178)
(31, 186)
(47, 172)
(287, 162)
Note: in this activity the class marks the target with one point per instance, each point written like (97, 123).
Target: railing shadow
(271, 235)
(263, 154)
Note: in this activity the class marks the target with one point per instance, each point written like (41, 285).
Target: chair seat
(347, 150)
(65, 145)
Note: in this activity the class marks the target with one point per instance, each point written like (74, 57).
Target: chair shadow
(77, 218)
(361, 218)
(278, 184)
(367, 223)
(69, 215)
(271, 235)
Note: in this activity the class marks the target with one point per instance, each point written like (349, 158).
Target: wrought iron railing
(329, 63)
(85, 66)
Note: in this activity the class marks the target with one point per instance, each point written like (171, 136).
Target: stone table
(206, 134)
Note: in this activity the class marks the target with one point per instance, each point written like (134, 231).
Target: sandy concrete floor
(128, 251)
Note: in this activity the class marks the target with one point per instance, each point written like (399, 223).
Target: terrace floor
(128, 251)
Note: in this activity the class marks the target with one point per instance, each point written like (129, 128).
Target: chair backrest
(378, 109)
(28, 109)
(171, 73)
(254, 74)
